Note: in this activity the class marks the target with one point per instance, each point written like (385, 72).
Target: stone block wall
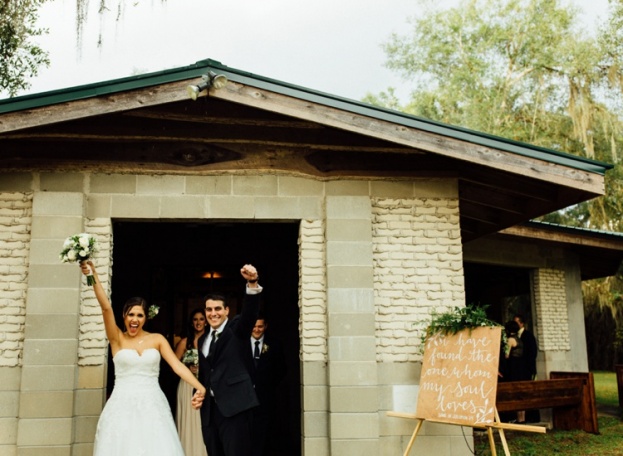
(552, 315)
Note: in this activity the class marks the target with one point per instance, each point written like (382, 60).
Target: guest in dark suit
(530, 351)
(269, 370)
(225, 370)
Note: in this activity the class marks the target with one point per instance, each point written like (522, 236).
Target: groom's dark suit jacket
(227, 370)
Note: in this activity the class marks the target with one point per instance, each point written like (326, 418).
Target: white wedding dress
(137, 419)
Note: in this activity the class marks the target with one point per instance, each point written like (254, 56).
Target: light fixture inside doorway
(210, 80)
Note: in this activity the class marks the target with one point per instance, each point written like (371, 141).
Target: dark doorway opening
(505, 290)
(174, 264)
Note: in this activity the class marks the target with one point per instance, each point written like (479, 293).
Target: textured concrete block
(351, 399)
(349, 207)
(299, 186)
(45, 431)
(351, 348)
(113, 183)
(361, 373)
(354, 425)
(349, 230)
(436, 188)
(46, 404)
(316, 446)
(355, 447)
(16, 182)
(135, 206)
(89, 402)
(53, 300)
(50, 352)
(350, 276)
(315, 398)
(8, 450)
(314, 373)
(58, 204)
(9, 404)
(209, 185)
(92, 376)
(183, 207)
(51, 326)
(340, 253)
(8, 431)
(85, 428)
(54, 276)
(386, 189)
(351, 324)
(255, 185)
(47, 450)
(99, 206)
(399, 373)
(350, 300)
(315, 424)
(289, 208)
(231, 207)
(160, 185)
(61, 182)
(82, 449)
(56, 228)
(10, 378)
(347, 188)
(48, 378)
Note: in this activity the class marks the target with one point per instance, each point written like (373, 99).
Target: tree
(525, 70)
(20, 59)
(520, 69)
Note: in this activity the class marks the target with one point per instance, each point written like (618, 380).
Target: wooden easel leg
(502, 436)
(412, 441)
(491, 441)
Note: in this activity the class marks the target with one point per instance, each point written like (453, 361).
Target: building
(361, 221)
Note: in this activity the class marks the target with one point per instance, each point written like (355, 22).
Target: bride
(137, 419)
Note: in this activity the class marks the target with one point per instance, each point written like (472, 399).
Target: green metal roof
(201, 67)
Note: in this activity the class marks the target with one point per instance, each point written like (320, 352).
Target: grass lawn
(609, 442)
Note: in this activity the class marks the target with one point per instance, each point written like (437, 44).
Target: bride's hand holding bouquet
(80, 248)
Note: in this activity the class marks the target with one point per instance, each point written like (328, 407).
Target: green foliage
(458, 319)
(527, 71)
(20, 59)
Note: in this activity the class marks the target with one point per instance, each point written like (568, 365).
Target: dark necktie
(212, 343)
(256, 352)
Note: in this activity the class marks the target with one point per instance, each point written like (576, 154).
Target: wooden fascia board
(95, 106)
(314, 112)
(579, 239)
(412, 137)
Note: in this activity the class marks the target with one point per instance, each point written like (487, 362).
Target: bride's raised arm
(113, 333)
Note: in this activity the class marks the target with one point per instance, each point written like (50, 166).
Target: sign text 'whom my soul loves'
(459, 376)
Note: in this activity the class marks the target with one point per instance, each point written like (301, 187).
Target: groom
(224, 369)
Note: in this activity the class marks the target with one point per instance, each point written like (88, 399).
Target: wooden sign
(459, 377)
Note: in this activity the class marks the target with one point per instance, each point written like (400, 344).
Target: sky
(333, 46)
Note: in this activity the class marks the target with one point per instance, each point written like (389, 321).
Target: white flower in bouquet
(77, 248)
(191, 357)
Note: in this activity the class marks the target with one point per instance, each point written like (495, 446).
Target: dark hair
(216, 297)
(135, 301)
(190, 327)
(520, 318)
(261, 316)
(512, 327)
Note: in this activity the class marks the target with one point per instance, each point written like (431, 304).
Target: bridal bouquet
(77, 248)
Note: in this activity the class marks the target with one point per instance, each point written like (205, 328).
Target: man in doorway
(225, 370)
(269, 368)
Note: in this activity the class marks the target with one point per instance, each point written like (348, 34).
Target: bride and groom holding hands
(137, 418)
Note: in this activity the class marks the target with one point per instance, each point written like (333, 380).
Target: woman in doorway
(514, 370)
(188, 420)
(137, 418)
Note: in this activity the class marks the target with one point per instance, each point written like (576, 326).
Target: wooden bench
(570, 395)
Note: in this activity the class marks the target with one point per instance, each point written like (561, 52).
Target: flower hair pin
(152, 311)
